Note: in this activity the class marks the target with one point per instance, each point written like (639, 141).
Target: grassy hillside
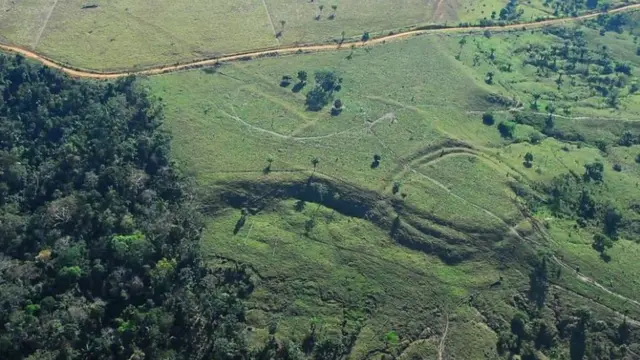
(401, 223)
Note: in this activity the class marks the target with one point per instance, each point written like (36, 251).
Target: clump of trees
(511, 12)
(542, 328)
(327, 83)
(576, 197)
(571, 59)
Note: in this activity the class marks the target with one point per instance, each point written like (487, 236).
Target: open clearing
(125, 35)
(107, 35)
(437, 223)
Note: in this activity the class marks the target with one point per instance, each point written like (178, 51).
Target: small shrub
(337, 107)
(488, 119)
(507, 128)
(535, 138)
(601, 145)
(376, 161)
(528, 158)
(286, 80)
(594, 171)
(366, 36)
(617, 167)
(396, 188)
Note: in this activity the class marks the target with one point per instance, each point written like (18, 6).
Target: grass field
(123, 34)
(431, 229)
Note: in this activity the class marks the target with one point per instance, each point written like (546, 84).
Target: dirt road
(296, 49)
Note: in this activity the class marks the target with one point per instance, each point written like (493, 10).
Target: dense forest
(98, 231)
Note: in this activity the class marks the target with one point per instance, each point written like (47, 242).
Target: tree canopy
(98, 238)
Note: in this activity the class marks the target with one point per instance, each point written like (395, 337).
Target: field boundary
(249, 55)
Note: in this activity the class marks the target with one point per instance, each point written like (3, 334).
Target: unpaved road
(294, 49)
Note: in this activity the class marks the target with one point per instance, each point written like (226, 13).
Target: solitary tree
(507, 129)
(376, 161)
(283, 22)
(488, 118)
(268, 168)
(601, 243)
(593, 171)
(528, 158)
(315, 162)
(462, 41)
(302, 76)
(286, 80)
(366, 36)
(337, 107)
(536, 97)
(334, 7)
(489, 78)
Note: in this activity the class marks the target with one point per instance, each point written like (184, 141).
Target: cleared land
(440, 227)
(119, 35)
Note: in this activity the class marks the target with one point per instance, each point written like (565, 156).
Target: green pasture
(121, 34)
(345, 270)
(124, 35)
(418, 104)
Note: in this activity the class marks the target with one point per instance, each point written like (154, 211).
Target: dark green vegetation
(98, 233)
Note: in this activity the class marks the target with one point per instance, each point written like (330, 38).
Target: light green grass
(343, 264)
(123, 34)
(418, 107)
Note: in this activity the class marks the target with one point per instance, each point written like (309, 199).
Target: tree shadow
(239, 224)
(527, 164)
(605, 257)
(298, 87)
(375, 164)
(395, 226)
(299, 206)
(308, 343)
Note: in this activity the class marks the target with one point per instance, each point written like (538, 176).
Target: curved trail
(591, 281)
(295, 49)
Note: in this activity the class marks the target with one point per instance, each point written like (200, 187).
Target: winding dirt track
(294, 49)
